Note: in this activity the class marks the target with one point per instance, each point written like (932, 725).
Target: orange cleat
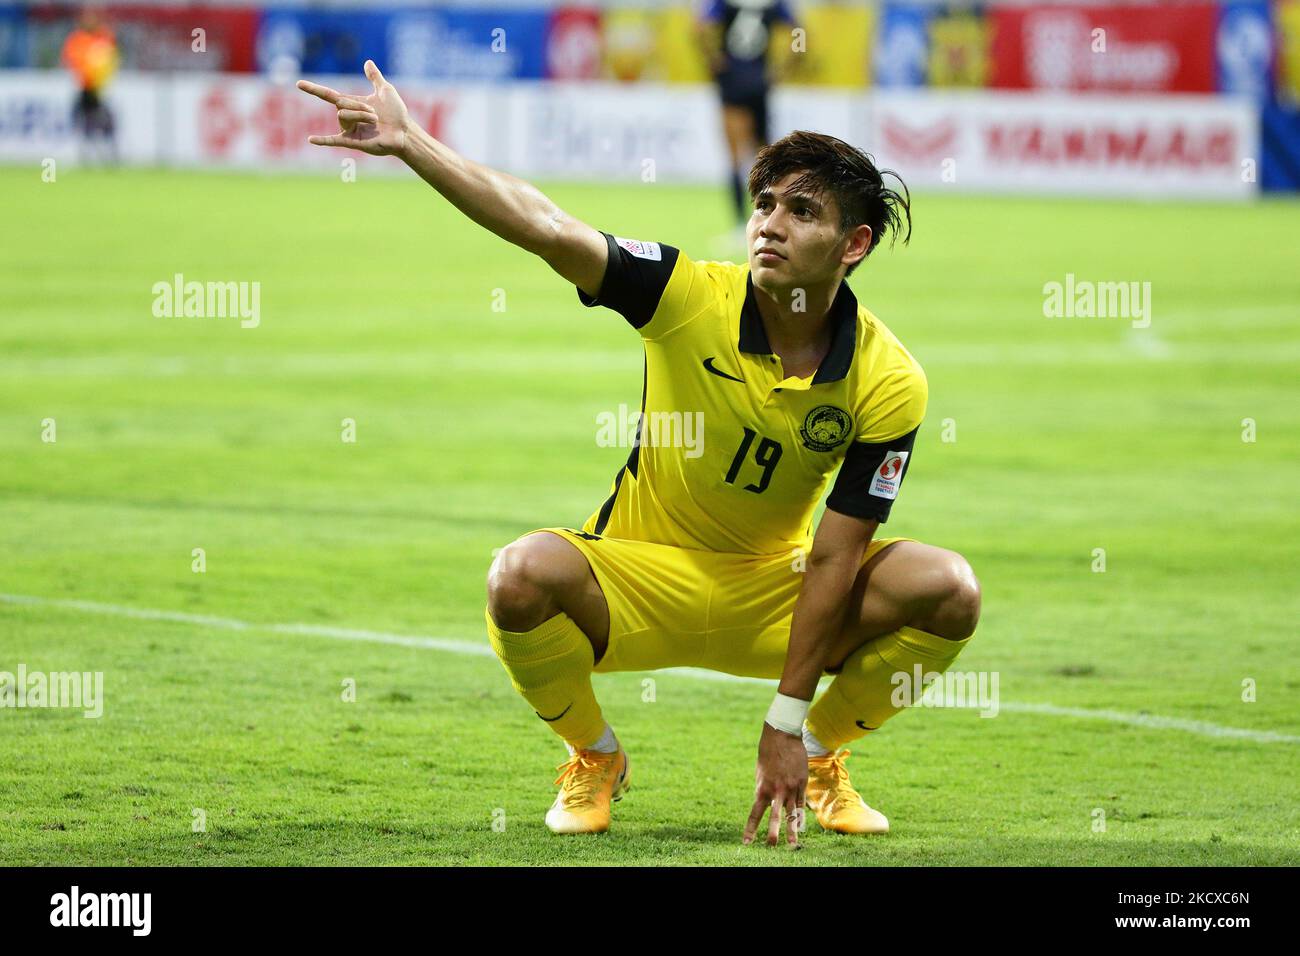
(588, 782)
(832, 798)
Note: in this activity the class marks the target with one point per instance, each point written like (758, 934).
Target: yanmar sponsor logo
(927, 142)
(1099, 143)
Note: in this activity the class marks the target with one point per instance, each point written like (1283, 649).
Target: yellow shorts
(676, 607)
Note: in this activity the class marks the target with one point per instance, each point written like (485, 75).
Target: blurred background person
(736, 37)
(90, 53)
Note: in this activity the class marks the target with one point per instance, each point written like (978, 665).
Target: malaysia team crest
(826, 427)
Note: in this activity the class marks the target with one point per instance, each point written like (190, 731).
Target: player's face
(794, 238)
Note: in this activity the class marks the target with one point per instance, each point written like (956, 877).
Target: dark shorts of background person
(750, 97)
(91, 115)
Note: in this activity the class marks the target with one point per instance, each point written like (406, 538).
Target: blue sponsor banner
(902, 52)
(468, 44)
(1279, 132)
(320, 41)
(426, 43)
(13, 37)
(1244, 45)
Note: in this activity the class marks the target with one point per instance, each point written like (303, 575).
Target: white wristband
(787, 714)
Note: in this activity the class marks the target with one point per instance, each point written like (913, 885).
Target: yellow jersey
(731, 455)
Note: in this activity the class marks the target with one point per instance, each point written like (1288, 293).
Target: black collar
(844, 321)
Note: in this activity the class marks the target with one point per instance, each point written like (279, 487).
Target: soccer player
(90, 53)
(706, 556)
(735, 37)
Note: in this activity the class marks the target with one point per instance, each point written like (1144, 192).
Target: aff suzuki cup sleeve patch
(635, 278)
(642, 250)
(870, 477)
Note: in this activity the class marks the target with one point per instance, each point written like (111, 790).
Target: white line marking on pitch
(1149, 721)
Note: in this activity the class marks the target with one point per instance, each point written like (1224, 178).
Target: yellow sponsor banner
(831, 46)
(659, 45)
(630, 45)
(1288, 26)
(959, 49)
(679, 47)
(838, 45)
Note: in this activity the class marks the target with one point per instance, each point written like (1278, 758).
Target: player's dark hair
(831, 166)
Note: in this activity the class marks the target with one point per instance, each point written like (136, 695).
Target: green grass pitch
(1119, 690)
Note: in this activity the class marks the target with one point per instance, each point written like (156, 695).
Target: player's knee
(518, 595)
(959, 607)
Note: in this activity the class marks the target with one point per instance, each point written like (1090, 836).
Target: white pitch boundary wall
(1173, 146)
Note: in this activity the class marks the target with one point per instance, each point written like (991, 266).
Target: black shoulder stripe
(633, 284)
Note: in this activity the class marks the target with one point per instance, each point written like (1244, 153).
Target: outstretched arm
(378, 123)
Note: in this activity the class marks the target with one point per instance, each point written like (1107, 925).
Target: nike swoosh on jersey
(858, 722)
(708, 367)
(551, 720)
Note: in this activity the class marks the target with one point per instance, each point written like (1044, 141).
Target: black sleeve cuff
(870, 477)
(633, 283)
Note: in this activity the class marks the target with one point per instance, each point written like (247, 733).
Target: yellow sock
(865, 694)
(551, 667)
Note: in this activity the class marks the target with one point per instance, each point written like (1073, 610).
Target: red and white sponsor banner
(1163, 47)
(1083, 144)
(252, 122)
(1167, 146)
(160, 36)
(574, 44)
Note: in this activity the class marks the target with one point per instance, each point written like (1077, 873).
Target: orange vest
(91, 56)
